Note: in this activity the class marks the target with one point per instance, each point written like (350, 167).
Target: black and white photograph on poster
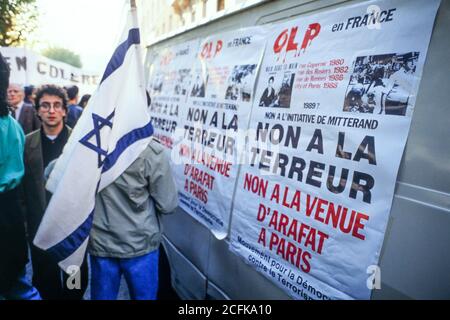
(268, 97)
(285, 92)
(158, 81)
(278, 91)
(183, 82)
(240, 83)
(381, 84)
(198, 90)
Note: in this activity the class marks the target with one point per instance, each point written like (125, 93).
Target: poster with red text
(169, 80)
(209, 140)
(330, 119)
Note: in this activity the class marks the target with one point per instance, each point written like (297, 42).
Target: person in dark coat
(13, 243)
(23, 112)
(42, 147)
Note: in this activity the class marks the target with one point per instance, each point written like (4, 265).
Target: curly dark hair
(4, 83)
(52, 90)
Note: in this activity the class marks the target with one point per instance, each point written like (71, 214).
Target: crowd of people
(35, 125)
(21, 103)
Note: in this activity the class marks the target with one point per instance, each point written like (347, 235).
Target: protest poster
(207, 152)
(330, 120)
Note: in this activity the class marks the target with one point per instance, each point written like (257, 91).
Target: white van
(415, 257)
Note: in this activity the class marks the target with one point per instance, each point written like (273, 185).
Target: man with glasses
(41, 147)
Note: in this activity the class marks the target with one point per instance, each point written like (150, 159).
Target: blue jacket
(73, 115)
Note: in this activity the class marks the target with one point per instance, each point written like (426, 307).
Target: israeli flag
(111, 133)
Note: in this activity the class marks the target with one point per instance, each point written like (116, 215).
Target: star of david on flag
(99, 123)
(111, 133)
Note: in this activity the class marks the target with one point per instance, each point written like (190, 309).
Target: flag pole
(138, 48)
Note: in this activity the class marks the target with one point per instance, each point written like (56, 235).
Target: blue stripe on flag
(69, 245)
(124, 142)
(119, 55)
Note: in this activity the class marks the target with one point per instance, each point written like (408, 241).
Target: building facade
(159, 19)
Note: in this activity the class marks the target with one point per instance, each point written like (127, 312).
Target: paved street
(123, 291)
(165, 292)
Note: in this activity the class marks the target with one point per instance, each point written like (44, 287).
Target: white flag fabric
(111, 133)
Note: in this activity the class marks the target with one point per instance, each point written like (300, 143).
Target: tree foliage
(18, 19)
(63, 55)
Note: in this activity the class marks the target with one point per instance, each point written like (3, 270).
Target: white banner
(29, 68)
(218, 106)
(331, 115)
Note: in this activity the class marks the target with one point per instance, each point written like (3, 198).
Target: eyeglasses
(57, 106)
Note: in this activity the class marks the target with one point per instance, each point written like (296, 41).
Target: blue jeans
(141, 275)
(21, 290)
